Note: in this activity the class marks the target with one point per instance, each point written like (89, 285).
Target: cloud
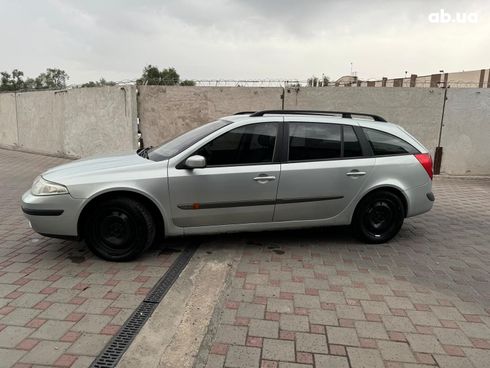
(236, 39)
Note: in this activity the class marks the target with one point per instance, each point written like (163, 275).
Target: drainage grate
(112, 353)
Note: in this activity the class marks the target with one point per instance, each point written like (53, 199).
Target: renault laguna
(252, 171)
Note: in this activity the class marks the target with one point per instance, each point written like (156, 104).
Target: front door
(238, 184)
(323, 171)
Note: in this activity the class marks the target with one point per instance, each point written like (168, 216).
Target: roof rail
(244, 113)
(344, 114)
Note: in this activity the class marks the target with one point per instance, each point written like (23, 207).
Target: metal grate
(112, 353)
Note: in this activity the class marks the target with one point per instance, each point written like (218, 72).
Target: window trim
(285, 156)
(395, 136)
(276, 156)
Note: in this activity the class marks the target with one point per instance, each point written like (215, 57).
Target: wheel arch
(148, 202)
(387, 188)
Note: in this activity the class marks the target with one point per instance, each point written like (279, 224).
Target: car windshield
(180, 143)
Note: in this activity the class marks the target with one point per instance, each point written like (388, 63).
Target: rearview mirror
(195, 162)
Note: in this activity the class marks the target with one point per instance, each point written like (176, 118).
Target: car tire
(378, 217)
(119, 229)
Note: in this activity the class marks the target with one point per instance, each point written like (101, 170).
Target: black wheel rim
(114, 231)
(380, 217)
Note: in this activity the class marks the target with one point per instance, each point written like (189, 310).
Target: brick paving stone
(46, 352)
(57, 311)
(20, 316)
(446, 361)
(395, 323)
(291, 322)
(423, 318)
(424, 343)
(323, 317)
(364, 358)
(9, 357)
(10, 336)
(250, 310)
(279, 305)
(278, 350)
(306, 301)
(313, 343)
(342, 336)
(374, 330)
(330, 361)
(479, 357)
(231, 334)
(92, 323)
(243, 357)
(89, 344)
(52, 330)
(451, 336)
(262, 328)
(477, 330)
(396, 351)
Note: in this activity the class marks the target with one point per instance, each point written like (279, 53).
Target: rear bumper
(55, 215)
(420, 199)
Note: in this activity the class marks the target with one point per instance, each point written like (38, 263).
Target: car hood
(64, 174)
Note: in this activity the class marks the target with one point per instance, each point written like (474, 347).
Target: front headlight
(42, 187)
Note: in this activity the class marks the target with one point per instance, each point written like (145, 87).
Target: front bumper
(52, 215)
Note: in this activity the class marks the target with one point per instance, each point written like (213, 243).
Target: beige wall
(418, 110)
(165, 112)
(8, 121)
(76, 123)
(466, 132)
(83, 122)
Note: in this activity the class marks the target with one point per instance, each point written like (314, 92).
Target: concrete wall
(8, 120)
(105, 118)
(87, 121)
(418, 110)
(39, 122)
(466, 132)
(166, 112)
(75, 123)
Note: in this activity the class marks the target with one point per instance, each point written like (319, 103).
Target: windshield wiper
(143, 152)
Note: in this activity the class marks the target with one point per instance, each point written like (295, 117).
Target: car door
(323, 170)
(239, 183)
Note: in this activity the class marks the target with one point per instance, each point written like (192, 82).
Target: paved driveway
(59, 305)
(320, 299)
(306, 299)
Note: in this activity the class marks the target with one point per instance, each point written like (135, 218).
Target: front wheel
(119, 229)
(378, 217)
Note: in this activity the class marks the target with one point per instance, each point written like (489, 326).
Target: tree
(51, 79)
(12, 82)
(317, 82)
(165, 77)
(100, 83)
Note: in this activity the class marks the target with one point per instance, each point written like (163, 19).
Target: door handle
(356, 173)
(264, 178)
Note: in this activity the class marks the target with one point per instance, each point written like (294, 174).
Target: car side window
(314, 141)
(352, 147)
(385, 144)
(250, 144)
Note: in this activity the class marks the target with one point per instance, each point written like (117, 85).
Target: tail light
(426, 161)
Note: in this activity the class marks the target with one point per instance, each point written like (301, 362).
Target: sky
(244, 39)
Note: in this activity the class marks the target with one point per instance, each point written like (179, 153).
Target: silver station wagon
(252, 171)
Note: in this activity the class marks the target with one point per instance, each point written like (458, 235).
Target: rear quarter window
(385, 144)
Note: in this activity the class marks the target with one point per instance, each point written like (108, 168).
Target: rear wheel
(378, 217)
(119, 229)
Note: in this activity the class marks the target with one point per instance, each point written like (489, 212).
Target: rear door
(323, 169)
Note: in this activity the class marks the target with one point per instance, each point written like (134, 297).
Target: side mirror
(195, 162)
